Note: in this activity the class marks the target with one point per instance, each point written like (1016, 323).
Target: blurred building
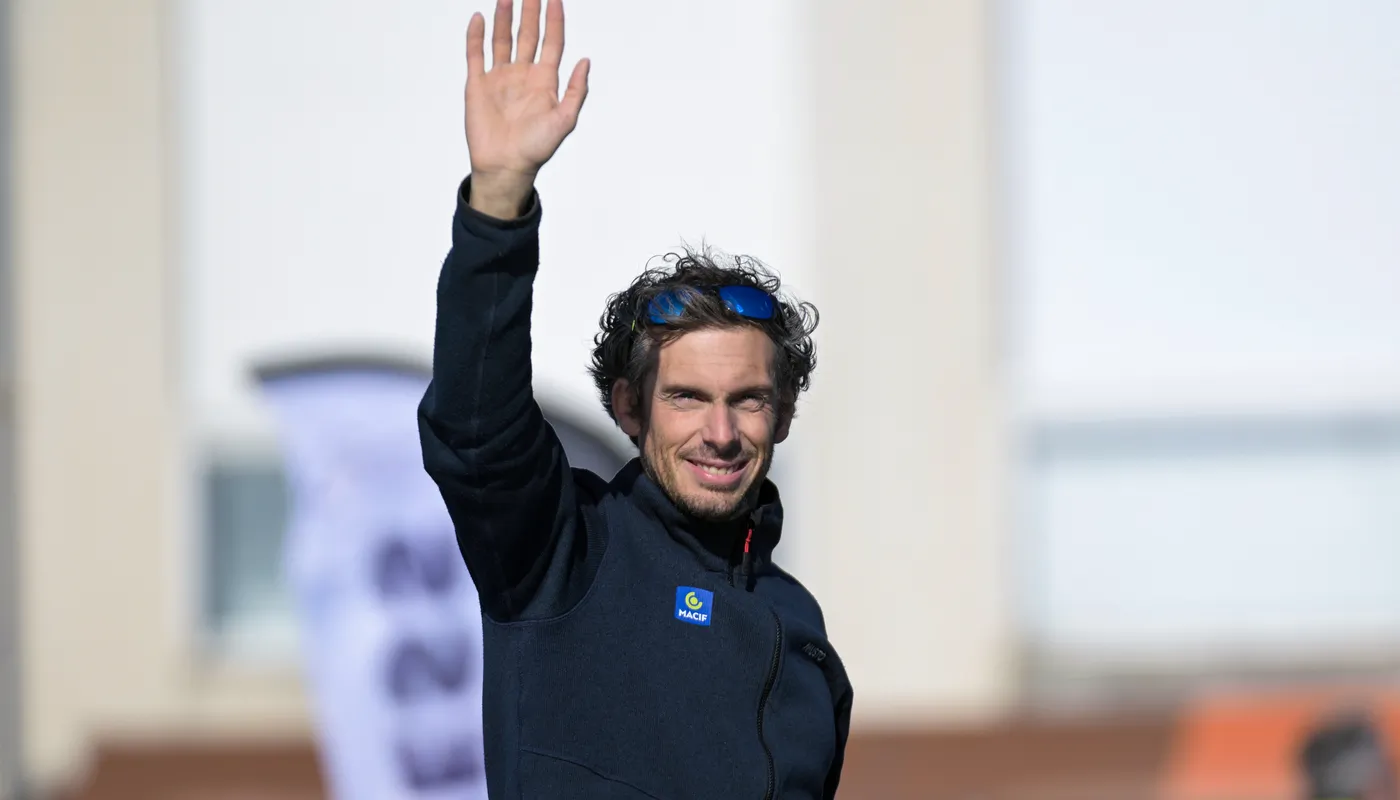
(1107, 405)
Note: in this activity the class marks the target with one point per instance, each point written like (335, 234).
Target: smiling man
(639, 641)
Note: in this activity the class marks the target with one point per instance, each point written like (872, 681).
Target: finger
(476, 45)
(575, 94)
(500, 33)
(553, 51)
(529, 39)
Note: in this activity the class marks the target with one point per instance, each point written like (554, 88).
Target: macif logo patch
(694, 605)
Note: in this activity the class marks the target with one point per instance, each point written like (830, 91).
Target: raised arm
(501, 470)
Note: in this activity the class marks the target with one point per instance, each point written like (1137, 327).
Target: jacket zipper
(763, 701)
(745, 563)
(744, 569)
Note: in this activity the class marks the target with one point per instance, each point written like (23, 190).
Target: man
(639, 642)
(1345, 759)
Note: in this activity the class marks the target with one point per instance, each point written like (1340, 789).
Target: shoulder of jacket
(809, 605)
(590, 487)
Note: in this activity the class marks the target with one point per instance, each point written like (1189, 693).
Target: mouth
(717, 474)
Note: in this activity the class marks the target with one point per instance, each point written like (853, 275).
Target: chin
(709, 503)
(702, 499)
(711, 507)
(712, 513)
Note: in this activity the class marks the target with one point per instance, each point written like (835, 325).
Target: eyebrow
(676, 388)
(765, 391)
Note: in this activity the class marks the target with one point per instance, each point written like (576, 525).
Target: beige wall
(92, 400)
(910, 405)
(909, 558)
(9, 569)
(106, 642)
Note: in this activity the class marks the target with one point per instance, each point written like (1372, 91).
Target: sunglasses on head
(745, 301)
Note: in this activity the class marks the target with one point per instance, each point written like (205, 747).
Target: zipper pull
(747, 564)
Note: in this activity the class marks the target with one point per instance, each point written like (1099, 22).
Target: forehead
(718, 358)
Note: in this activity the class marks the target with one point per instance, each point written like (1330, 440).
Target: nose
(720, 432)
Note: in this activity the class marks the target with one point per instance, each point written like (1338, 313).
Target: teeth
(709, 470)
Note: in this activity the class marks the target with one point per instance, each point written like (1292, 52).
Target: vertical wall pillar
(94, 395)
(911, 461)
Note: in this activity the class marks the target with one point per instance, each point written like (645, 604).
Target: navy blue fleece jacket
(630, 651)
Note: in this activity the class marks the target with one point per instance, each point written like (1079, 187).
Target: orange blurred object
(1244, 746)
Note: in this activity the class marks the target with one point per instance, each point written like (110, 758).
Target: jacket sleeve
(500, 468)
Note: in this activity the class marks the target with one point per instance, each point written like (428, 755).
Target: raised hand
(515, 118)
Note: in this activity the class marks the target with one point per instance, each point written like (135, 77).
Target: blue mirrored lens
(666, 304)
(742, 300)
(747, 301)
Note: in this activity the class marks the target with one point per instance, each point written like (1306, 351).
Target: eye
(752, 402)
(684, 399)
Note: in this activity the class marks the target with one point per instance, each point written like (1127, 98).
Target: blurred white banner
(390, 625)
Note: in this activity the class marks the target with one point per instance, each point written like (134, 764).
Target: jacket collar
(719, 545)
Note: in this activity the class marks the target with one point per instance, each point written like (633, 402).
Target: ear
(784, 424)
(626, 408)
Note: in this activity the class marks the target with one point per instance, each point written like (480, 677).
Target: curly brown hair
(627, 342)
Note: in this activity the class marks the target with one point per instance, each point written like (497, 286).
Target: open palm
(515, 119)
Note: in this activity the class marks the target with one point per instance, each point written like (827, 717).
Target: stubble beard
(709, 506)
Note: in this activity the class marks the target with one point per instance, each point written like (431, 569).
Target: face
(708, 419)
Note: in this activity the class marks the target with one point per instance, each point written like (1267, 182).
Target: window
(247, 608)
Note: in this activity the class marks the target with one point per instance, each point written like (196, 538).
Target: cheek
(669, 429)
(757, 428)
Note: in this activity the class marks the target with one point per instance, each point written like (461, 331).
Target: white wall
(323, 144)
(1217, 186)
(1202, 203)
